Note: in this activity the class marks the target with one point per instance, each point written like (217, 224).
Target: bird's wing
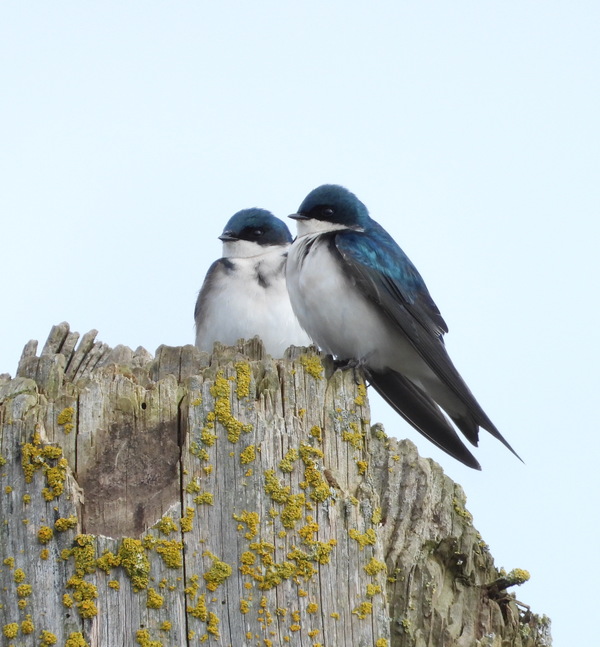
(218, 268)
(386, 276)
(417, 408)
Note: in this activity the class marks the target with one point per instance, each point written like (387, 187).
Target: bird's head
(250, 231)
(331, 207)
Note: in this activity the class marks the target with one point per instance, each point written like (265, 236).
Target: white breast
(251, 299)
(340, 320)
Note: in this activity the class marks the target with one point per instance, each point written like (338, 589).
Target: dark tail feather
(489, 426)
(422, 413)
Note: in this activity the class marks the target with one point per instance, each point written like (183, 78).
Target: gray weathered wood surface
(228, 499)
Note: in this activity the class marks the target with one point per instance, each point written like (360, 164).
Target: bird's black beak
(298, 216)
(228, 236)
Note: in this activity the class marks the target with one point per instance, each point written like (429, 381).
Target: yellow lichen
(212, 626)
(374, 566)
(44, 553)
(363, 610)
(108, 561)
(65, 523)
(244, 606)
(24, 590)
(67, 600)
(355, 436)
(187, 522)
(312, 607)
(47, 638)
(248, 455)
(362, 467)
(293, 510)
(286, 464)
(204, 498)
(8, 489)
(171, 552)
(76, 640)
(222, 413)
(166, 525)
(277, 492)
(382, 642)
(114, 584)
(27, 626)
(359, 400)
(11, 630)
(19, 575)
(166, 626)
(142, 638)
(134, 560)
(154, 600)
(372, 590)
(200, 611)
(243, 377)
(10, 562)
(45, 534)
(218, 572)
(251, 519)
(376, 516)
(365, 539)
(312, 365)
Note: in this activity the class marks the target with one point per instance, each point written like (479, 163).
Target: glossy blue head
(256, 226)
(331, 203)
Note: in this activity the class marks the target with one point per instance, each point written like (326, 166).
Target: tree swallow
(244, 293)
(361, 299)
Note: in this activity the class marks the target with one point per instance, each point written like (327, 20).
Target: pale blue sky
(131, 132)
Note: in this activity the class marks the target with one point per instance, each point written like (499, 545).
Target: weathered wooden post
(228, 499)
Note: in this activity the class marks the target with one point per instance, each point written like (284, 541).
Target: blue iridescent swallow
(361, 299)
(244, 293)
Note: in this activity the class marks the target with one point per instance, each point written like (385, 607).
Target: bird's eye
(328, 211)
(259, 232)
